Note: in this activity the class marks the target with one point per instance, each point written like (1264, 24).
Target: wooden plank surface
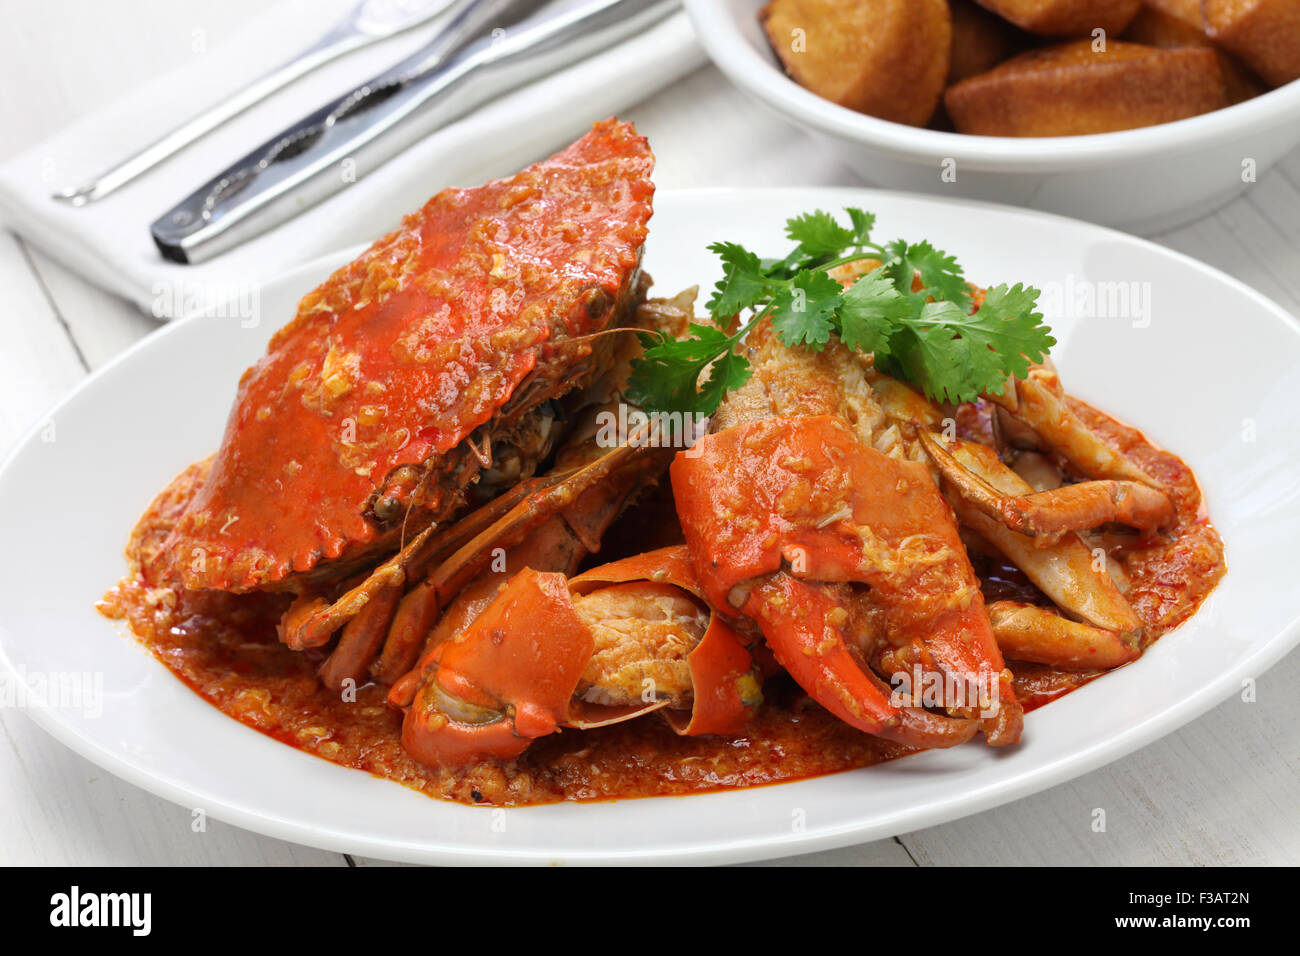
(1220, 791)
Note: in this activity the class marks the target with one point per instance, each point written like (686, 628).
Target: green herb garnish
(927, 335)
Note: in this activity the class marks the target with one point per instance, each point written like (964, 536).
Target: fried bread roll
(1179, 23)
(887, 58)
(980, 40)
(1066, 18)
(1265, 34)
(1069, 90)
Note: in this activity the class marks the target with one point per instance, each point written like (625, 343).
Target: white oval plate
(1204, 365)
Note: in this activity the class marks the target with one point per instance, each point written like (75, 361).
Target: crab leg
(1026, 632)
(376, 614)
(625, 461)
(415, 615)
(574, 488)
(1039, 402)
(311, 620)
(361, 639)
(1067, 571)
(587, 500)
(553, 529)
(420, 620)
(778, 511)
(1036, 531)
(1076, 507)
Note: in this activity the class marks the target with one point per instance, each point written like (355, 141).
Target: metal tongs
(368, 22)
(476, 57)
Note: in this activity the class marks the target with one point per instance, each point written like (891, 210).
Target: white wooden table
(1220, 791)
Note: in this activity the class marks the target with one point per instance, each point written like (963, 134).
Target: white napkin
(108, 241)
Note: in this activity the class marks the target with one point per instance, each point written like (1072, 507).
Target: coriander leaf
(1008, 322)
(665, 379)
(941, 276)
(955, 356)
(863, 222)
(871, 309)
(818, 234)
(804, 312)
(742, 284)
(928, 337)
(779, 270)
(926, 352)
(729, 372)
(961, 364)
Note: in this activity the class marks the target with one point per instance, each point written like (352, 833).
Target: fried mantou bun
(887, 58)
(980, 40)
(1179, 23)
(1071, 89)
(1265, 34)
(1066, 18)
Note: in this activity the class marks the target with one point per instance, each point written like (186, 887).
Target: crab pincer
(618, 642)
(845, 558)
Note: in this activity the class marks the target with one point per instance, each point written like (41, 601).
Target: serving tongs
(475, 58)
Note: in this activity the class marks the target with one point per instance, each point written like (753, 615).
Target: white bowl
(1142, 180)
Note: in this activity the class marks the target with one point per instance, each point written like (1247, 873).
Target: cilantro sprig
(913, 312)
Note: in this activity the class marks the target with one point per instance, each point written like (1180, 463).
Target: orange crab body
(360, 422)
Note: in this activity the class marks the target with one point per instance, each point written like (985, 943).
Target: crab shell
(474, 311)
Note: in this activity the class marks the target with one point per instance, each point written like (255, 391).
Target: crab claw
(1051, 513)
(783, 516)
(547, 653)
(505, 681)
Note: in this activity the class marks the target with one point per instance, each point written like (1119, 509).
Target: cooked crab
(417, 377)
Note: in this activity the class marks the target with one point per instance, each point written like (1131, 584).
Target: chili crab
(412, 486)
(829, 520)
(422, 375)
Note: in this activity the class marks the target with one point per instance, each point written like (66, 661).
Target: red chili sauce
(225, 648)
